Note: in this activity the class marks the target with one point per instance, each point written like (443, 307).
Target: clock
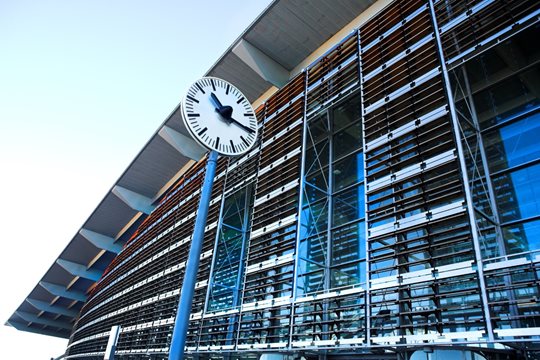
(219, 117)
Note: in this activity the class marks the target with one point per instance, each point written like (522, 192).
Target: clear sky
(83, 86)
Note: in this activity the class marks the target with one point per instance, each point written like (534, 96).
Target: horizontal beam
(267, 68)
(134, 200)
(185, 145)
(60, 290)
(26, 316)
(24, 327)
(54, 309)
(80, 270)
(101, 241)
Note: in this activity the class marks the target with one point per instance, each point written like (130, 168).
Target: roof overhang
(264, 57)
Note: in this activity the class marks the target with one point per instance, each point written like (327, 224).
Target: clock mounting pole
(176, 350)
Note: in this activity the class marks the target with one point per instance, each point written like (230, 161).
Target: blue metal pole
(176, 350)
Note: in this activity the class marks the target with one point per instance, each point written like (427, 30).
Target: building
(391, 208)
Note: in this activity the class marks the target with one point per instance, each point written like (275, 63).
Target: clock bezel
(238, 130)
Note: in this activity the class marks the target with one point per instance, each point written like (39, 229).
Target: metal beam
(185, 145)
(60, 290)
(134, 200)
(101, 241)
(267, 68)
(80, 270)
(55, 309)
(26, 316)
(23, 327)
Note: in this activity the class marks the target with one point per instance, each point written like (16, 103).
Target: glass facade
(391, 204)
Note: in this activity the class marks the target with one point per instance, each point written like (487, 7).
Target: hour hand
(216, 101)
(248, 129)
(225, 111)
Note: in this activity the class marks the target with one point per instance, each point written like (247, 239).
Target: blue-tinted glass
(348, 171)
(348, 205)
(518, 193)
(349, 243)
(314, 219)
(522, 237)
(347, 275)
(314, 249)
(513, 144)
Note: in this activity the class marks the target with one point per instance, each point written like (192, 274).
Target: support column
(183, 144)
(55, 309)
(80, 270)
(101, 241)
(178, 341)
(267, 68)
(59, 290)
(134, 200)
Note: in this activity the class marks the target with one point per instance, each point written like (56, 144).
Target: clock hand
(216, 101)
(248, 129)
(225, 111)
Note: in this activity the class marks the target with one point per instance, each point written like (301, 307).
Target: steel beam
(134, 200)
(60, 290)
(262, 64)
(55, 309)
(26, 316)
(101, 241)
(80, 270)
(23, 327)
(185, 145)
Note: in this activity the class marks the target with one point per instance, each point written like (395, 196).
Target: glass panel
(348, 171)
(522, 237)
(317, 156)
(346, 113)
(346, 275)
(349, 243)
(347, 141)
(517, 193)
(348, 205)
(514, 144)
(314, 219)
(317, 129)
(314, 249)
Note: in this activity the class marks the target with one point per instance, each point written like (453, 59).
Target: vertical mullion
(299, 214)
(463, 166)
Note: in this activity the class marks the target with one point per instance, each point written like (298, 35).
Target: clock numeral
(203, 131)
(248, 114)
(232, 145)
(240, 100)
(192, 99)
(194, 115)
(213, 85)
(227, 89)
(200, 88)
(217, 142)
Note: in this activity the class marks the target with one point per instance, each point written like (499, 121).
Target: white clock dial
(220, 117)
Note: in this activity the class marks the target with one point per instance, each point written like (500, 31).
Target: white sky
(83, 86)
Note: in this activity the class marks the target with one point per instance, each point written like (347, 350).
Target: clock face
(220, 117)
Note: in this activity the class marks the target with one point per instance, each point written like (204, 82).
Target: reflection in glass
(348, 205)
(348, 171)
(517, 193)
(514, 144)
(522, 237)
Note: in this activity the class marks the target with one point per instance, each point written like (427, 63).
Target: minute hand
(248, 129)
